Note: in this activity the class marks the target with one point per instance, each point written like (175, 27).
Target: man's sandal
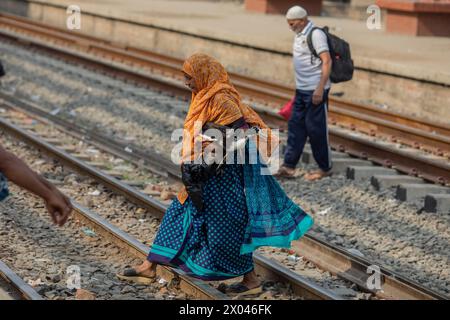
(317, 175)
(133, 276)
(284, 173)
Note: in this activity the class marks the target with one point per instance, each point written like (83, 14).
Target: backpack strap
(310, 44)
(309, 41)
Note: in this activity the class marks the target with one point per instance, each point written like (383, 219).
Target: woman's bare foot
(251, 280)
(144, 273)
(146, 269)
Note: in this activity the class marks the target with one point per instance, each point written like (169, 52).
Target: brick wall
(314, 7)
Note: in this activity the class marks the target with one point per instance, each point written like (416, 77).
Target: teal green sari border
(201, 271)
(196, 269)
(167, 252)
(279, 241)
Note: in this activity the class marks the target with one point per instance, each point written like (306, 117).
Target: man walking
(309, 114)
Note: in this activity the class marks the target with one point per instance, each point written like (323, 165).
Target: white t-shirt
(307, 75)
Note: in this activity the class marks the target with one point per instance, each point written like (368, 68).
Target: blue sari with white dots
(243, 210)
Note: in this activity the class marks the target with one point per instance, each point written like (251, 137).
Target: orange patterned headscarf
(216, 101)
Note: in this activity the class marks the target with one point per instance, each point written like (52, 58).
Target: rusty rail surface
(16, 287)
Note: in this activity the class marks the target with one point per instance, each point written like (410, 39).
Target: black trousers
(308, 121)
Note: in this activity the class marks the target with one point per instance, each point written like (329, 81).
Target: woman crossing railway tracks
(219, 219)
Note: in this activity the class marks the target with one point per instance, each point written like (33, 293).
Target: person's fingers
(52, 213)
(317, 100)
(62, 210)
(58, 217)
(63, 219)
(65, 215)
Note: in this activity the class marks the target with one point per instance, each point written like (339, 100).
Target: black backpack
(2, 70)
(342, 68)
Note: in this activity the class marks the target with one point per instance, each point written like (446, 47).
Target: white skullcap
(296, 12)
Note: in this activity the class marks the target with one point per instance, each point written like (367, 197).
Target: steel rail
(150, 161)
(358, 270)
(379, 126)
(21, 288)
(189, 285)
(408, 162)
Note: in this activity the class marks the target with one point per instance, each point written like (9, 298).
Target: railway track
(131, 248)
(100, 254)
(362, 131)
(106, 233)
(324, 255)
(126, 242)
(12, 287)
